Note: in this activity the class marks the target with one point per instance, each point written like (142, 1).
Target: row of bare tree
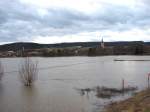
(27, 71)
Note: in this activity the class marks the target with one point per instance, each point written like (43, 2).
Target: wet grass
(128, 60)
(106, 92)
(140, 102)
(147, 110)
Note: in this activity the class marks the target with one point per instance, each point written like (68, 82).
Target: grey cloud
(19, 21)
(3, 17)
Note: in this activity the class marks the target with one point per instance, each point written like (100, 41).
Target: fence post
(148, 82)
(123, 85)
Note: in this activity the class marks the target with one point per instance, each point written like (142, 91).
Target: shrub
(1, 70)
(28, 72)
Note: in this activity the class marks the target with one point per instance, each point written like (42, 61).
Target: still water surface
(59, 79)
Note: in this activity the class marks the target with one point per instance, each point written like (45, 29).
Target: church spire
(102, 43)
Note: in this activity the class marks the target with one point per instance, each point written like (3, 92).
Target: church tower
(102, 44)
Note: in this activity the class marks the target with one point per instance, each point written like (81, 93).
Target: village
(132, 48)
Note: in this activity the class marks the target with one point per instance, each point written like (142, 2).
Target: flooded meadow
(71, 84)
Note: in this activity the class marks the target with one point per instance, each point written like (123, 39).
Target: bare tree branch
(28, 71)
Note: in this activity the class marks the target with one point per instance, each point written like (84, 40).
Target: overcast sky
(55, 21)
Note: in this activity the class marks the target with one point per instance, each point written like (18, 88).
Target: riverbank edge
(140, 102)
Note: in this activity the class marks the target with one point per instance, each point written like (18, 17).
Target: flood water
(59, 78)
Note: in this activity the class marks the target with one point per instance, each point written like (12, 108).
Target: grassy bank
(140, 102)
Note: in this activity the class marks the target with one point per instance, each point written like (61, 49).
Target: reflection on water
(1, 89)
(54, 91)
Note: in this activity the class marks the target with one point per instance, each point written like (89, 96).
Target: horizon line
(5, 43)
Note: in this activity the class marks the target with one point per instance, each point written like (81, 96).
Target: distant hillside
(27, 45)
(147, 43)
(18, 46)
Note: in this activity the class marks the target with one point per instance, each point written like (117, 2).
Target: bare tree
(28, 71)
(1, 70)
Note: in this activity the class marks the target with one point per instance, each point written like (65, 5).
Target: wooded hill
(28, 45)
